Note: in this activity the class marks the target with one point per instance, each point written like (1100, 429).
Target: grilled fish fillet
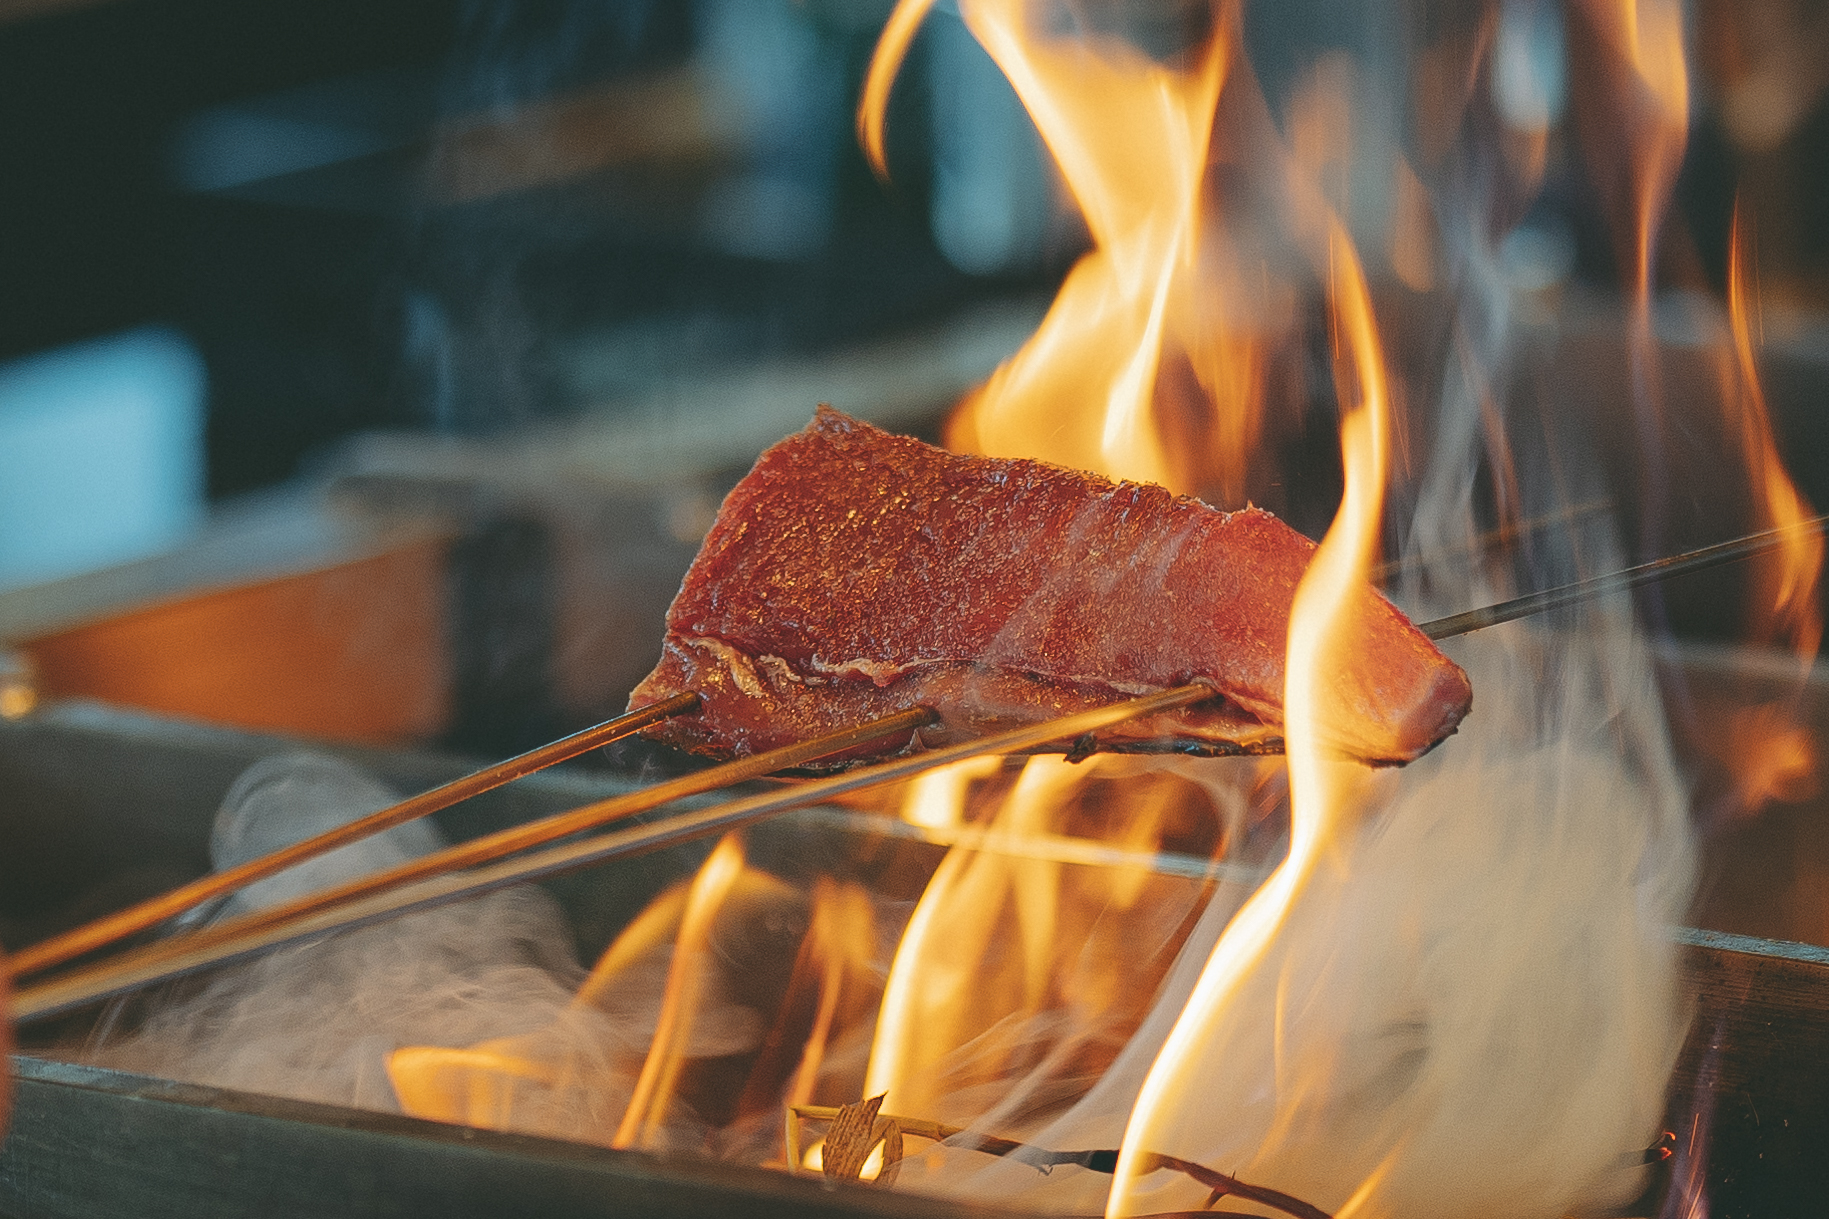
(853, 573)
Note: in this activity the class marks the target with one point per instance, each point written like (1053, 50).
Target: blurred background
(372, 369)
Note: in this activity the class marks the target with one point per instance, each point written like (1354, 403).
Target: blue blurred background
(233, 232)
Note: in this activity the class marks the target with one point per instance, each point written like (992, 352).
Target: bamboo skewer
(1632, 577)
(150, 913)
(491, 847)
(1505, 535)
(430, 881)
(438, 878)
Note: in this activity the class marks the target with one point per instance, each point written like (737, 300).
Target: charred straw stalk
(1225, 1186)
(858, 1129)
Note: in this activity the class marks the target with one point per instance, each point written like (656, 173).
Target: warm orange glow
(933, 1002)
(518, 1082)
(16, 701)
(1322, 788)
(891, 50)
(937, 799)
(473, 1086)
(549, 1082)
(350, 652)
(654, 1088)
(1787, 605)
(1011, 928)
(1649, 119)
(1772, 756)
(841, 943)
(574, 1076)
(1130, 137)
(1650, 34)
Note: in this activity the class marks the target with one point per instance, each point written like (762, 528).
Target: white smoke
(317, 1021)
(494, 975)
(1473, 1009)
(1475, 1002)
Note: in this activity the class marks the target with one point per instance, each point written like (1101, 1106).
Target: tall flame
(641, 1122)
(1322, 788)
(1038, 956)
(1130, 137)
(1641, 94)
(839, 946)
(1768, 754)
(1634, 123)
(1649, 34)
(1788, 607)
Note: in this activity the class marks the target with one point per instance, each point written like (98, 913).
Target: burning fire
(1455, 993)
(1256, 1072)
(1130, 137)
(1786, 607)
(680, 1001)
(1445, 962)
(1324, 791)
(565, 1080)
(981, 965)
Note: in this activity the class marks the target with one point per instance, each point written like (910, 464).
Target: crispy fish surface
(853, 573)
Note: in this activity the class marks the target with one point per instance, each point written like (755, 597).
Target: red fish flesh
(853, 573)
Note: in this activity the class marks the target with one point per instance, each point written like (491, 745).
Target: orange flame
(995, 939)
(1788, 605)
(1322, 788)
(835, 969)
(1650, 33)
(1645, 98)
(1015, 924)
(1130, 137)
(891, 50)
(931, 1004)
(579, 1077)
(1773, 758)
(641, 1123)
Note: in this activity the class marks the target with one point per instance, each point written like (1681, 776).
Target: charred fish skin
(853, 571)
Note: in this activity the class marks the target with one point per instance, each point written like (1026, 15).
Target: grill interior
(110, 806)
